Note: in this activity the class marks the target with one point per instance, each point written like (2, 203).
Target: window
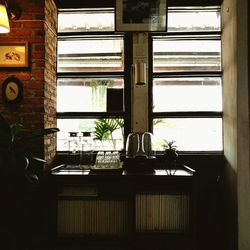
(90, 65)
(186, 84)
(184, 77)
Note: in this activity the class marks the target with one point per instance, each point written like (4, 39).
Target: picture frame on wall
(14, 55)
(143, 15)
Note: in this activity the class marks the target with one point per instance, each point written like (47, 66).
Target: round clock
(12, 91)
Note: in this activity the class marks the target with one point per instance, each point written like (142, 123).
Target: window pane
(173, 55)
(187, 94)
(84, 95)
(184, 19)
(190, 134)
(111, 142)
(85, 20)
(96, 54)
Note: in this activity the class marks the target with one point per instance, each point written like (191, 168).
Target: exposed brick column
(50, 76)
(37, 26)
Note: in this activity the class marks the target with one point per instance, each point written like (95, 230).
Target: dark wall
(209, 186)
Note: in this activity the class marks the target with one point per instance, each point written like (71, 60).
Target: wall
(229, 52)
(243, 167)
(236, 124)
(139, 116)
(37, 110)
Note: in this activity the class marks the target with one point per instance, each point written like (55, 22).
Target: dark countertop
(81, 171)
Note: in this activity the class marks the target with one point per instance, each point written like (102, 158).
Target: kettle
(140, 153)
(139, 145)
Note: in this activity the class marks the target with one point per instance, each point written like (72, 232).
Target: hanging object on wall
(8, 12)
(12, 92)
(139, 73)
(14, 54)
(4, 20)
(144, 15)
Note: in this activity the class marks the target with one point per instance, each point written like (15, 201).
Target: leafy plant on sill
(104, 129)
(14, 161)
(170, 152)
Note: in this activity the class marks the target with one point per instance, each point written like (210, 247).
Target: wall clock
(12, 91)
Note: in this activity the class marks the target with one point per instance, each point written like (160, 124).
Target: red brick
(3, 75)
(38, 55)
(39, 93)
(39, 47)
(24, 76)
(37, 72)
(36, 39)
(27, 16)
(32, 101)
(39, 16)
(38, 64)
(15, 24)
(35, 9)
(33, 24)
(38, 77)
(39, 32)
(34, 85)
(21, 32)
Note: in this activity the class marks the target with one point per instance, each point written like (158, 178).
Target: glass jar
(73, 149)
(87, 150)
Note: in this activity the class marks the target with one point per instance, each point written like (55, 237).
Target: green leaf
(120, 122)
(169, 145)
(158, 121)
(12, 152)
(105, 127)
(101, 130)
(15, 128)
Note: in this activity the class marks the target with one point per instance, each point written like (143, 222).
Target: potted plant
(170, 153)
(21, 192)
(15, 162)
(104, 129)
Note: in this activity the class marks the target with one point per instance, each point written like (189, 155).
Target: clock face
(12, 91)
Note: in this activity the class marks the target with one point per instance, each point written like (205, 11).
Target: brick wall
(37, 25)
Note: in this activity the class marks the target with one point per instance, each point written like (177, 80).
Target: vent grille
(93, 217)
(162, 213)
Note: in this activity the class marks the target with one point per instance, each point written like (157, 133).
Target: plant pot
(171, 158)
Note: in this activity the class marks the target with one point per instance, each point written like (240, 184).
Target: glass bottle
(87, 150)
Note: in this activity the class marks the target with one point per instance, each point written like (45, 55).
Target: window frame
(125, 74)
(180, 114)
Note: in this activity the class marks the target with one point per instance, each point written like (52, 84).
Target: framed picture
(12, 91)
(141, 15)
(14, 55)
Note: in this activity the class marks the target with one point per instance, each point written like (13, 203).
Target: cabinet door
(162, 212)
(85, 211)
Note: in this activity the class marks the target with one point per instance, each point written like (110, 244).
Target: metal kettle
(140, 153)
(139, 144)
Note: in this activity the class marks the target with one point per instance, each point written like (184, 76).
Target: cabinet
(141, 211)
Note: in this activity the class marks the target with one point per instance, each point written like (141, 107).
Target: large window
(90, 70)
(186, 84)
(93, 72)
